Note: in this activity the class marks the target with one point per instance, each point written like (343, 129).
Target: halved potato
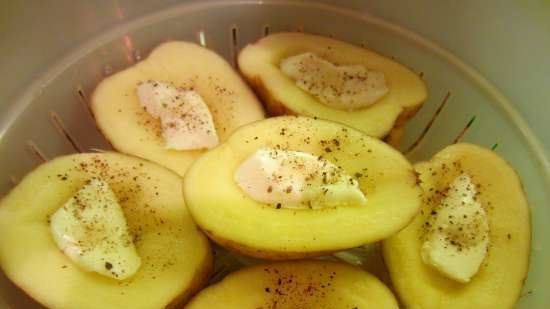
(233, 219)
(498, 283)
(130, 129)
(299, 284)
(175, 257)
(260, 64)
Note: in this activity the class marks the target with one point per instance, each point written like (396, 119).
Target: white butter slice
(339, 86)
(295, 179)
(459, 236)
(90, 228)
(186, 121)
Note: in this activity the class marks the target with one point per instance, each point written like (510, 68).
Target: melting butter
(90, 229)
(295, 179)
(186, 121)
(458, 239)
(346, 87)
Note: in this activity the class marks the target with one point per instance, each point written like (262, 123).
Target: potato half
(230, 217)
(299, 284)
(176, 257)
(130, 129)
(260, 64)
(497, 285)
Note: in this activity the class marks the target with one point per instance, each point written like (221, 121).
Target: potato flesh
(302, 284)
(175, 256)
(383, 173)
(132, 130)
(259, 63)
(498, 283)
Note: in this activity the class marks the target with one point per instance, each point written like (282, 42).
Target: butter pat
(90, 228)
(186, 121)
(457, 242)
(339, 86)
(295, 179)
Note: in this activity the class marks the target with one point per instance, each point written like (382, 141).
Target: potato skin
(276, 108)
(262, 253)
(272, 105)
(200, 281)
